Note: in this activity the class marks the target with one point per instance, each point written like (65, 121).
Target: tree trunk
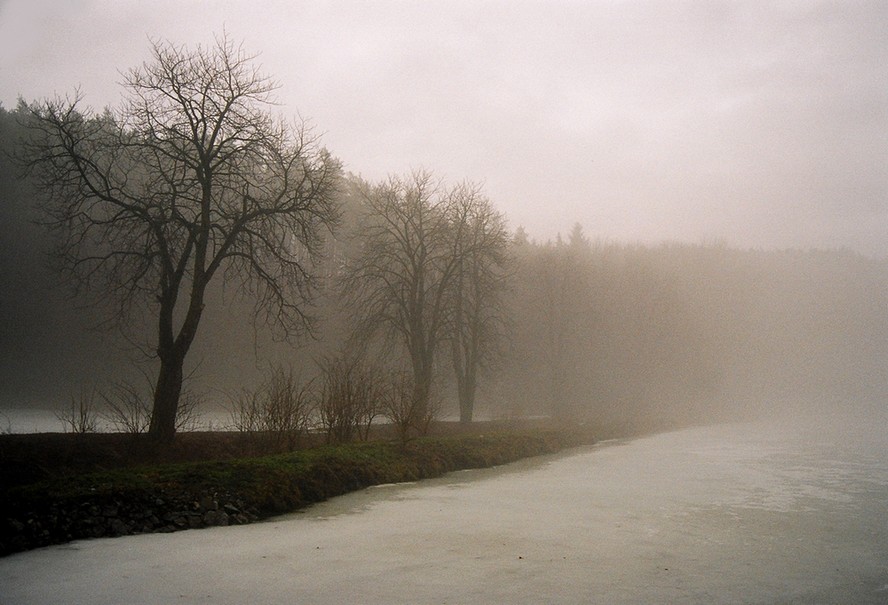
(422, 392)
(466, 400)
(166, 398)
(466, 383)
(172, 352)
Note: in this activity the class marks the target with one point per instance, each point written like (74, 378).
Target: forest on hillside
(580, 328)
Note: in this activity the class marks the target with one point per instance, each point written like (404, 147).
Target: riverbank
(88, 486)
(724, 514)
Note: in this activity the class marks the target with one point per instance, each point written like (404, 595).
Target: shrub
(400, 407)
(278, 413)
(81, 417)
(350, 398)
(128, 408)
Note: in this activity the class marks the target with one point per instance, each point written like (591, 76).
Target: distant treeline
(593, 330)
(696, 332)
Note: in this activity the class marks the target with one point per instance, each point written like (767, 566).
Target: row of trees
(192, 189)
(680, 333)
(192, 181)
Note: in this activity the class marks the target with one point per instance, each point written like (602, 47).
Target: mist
(626, 336)
(680, 223)
(681, 333)
(751, 123)
(746, 136)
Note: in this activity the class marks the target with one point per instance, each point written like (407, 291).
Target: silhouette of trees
(191, 180)
(398, 283)
(192, 187)
(477, 313)
(428, 272)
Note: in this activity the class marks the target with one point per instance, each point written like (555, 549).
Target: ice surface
(726, 514)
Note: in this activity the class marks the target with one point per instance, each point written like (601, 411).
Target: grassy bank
(173, 496)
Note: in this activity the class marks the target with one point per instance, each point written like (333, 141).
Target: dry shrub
(350, 397)
(401, 409)
(277, 414)
(128, 408)
(81, 417)
(188, 415)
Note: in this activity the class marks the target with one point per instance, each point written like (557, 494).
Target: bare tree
(477, 315)
(190, 180)
(398, 283)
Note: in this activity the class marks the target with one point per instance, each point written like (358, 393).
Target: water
(30, 420)
(43, 420)
(20, 420)
(726, 514)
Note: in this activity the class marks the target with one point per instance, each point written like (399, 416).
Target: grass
(178, 495)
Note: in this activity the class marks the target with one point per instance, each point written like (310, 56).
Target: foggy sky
(763, 124)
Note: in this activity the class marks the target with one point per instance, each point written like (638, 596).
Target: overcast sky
(762, 124)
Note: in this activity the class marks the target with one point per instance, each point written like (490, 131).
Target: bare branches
(399, 407)
(277, 413)
(81, 417)
(477, 318)
(404, 262)
(350, 398)
(127, 408)
(191, 177)
(430, 270)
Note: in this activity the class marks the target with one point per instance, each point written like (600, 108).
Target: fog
(696, 261)
(748, 138)
(630, 337)
(755, 123)
(710, 332)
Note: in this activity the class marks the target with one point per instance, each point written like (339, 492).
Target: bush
(128, 408)
(400, 407)
(278, 413)
(350, 398)
(81, 417)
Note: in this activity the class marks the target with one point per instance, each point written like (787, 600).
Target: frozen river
(725, 514)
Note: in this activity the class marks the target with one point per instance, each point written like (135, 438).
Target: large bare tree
(430, 271)
(397, 282)
(190, 180)
(477, 316)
